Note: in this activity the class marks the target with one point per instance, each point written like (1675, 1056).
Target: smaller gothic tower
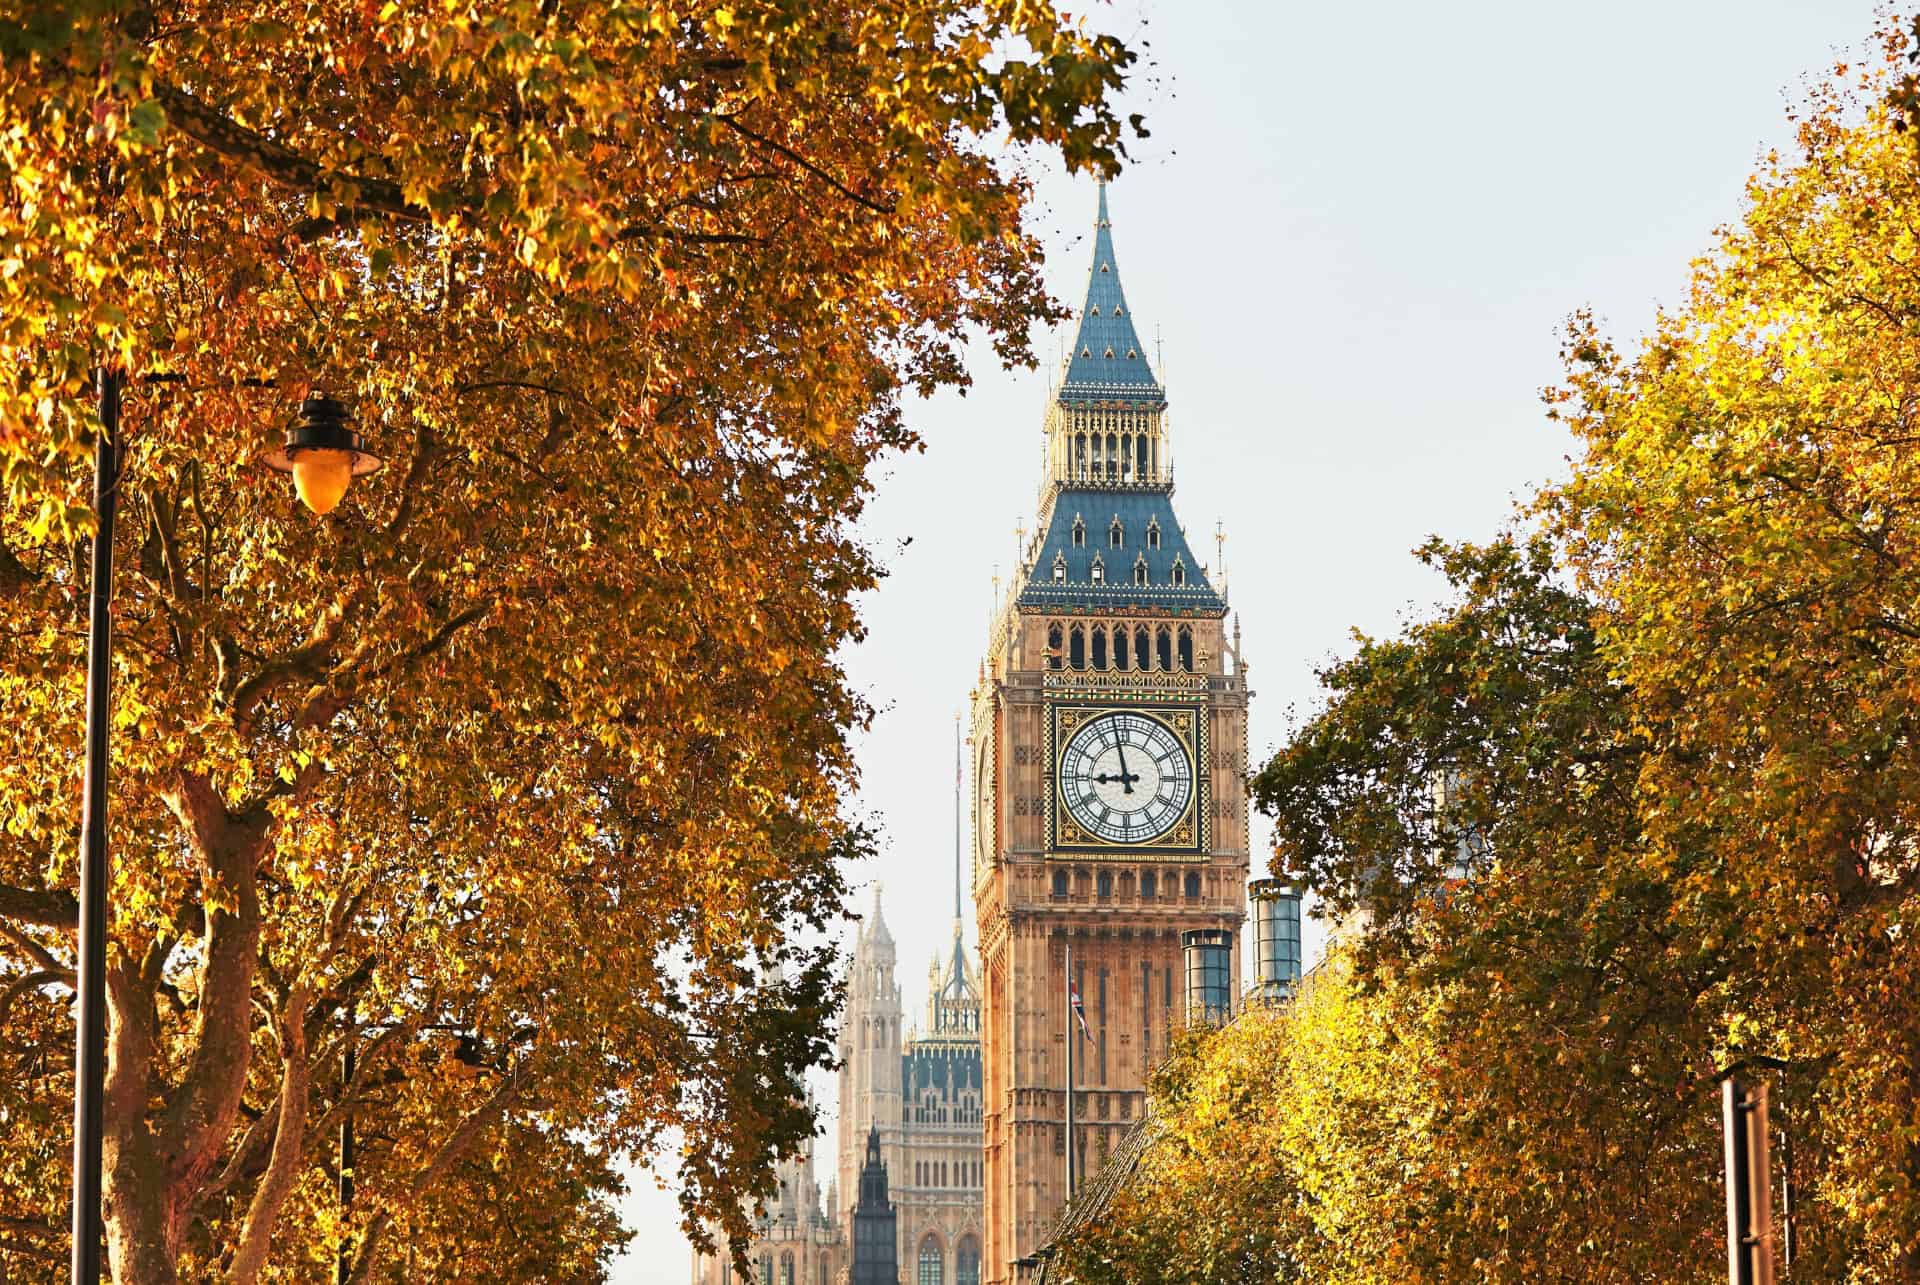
(870, 1040)
(875, 1253)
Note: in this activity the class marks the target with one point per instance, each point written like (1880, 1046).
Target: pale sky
(1357, 230)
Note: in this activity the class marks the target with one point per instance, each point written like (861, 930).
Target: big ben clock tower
(1110, 813)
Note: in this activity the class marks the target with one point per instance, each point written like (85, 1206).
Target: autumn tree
(1638, 806)
(522, 773)
(1746, 506)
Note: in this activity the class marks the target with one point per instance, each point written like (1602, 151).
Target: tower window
(1179, 575)
(1099, 644)
(932, 1269)
(1149, 885)
(1165, 649)
(1079, 533)
(1077, 647)
(1120, 647)
(1054, 639)
(1106, 883)
(1119, 311)
(1116, 535)
(1142, 649)
(1109, 354)
(1094, 311)
(1193, 887)
(1105, 268)
(1059, 883)
(1140, 570)
(1153, 534)
(1086, 352)
(1059, 566)
(1099, 570)
(1186, 649)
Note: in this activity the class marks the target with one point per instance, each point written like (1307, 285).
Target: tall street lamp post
(324, 454)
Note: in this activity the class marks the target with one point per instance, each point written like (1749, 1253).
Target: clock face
(1125, 777)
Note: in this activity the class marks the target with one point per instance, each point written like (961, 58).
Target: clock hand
(1127, 778)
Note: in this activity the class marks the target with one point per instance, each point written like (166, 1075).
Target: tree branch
(256, 1236)
(224, 136)
(308, 661)
(201, 1115)
(458, 1143)
(807, 165)
(44, 908)
(34, 950)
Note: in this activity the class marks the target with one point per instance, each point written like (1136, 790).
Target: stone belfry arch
(1109, 736)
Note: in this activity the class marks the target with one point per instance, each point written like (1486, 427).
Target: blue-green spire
(1107, 353)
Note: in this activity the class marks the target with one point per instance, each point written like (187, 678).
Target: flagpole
(1071, 1166)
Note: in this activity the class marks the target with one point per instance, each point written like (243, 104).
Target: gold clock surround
(1186, 838)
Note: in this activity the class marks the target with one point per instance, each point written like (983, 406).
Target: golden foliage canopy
(520, 771)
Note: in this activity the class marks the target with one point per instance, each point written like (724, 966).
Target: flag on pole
(1079, 1009)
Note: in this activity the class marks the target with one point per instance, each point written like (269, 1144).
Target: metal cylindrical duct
(1276, 938)
(1209, 954)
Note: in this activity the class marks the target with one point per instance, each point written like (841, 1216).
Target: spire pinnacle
(1107, 353)
(956, 821)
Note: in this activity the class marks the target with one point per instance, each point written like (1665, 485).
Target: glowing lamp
(323, 452)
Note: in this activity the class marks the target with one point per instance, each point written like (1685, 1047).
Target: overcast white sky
(1357, 229)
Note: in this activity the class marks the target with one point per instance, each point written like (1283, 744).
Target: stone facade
(910, 1099)
(1113, 640)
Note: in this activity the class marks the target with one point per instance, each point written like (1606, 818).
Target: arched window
(1149, 885)
(1099, 647)
(1179, 574)
(786, 1269)
(1079, 455)
(1059, 567)
(1153, 534)
(1116, 535)
(1140, 570)
(1186, 650)
(1120, 647)
(1165, 648)
(967, 1263)
(932, 1268)
(1140, 449)
(1193, 886)
(766, 1270)
(1099, 570)
(1054, 643)
(1080, 528)
(1077, 648)
(1059, 883)
(1106, 884)
(1142, 649)
(1113, 449)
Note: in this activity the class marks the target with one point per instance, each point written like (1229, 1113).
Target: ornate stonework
(1111, 612)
